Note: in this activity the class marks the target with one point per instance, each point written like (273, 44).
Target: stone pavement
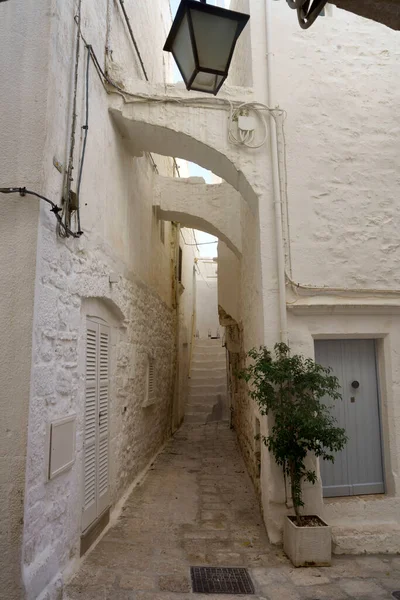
(197, 507)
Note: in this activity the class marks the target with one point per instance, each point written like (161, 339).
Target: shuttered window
(96, 428)
(151, 388)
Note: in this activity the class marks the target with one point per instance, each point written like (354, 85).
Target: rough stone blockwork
(143, 326)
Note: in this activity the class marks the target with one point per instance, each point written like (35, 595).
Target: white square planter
(307, 546)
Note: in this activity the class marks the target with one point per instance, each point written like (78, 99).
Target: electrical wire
(201, 243)
(85, 127)
(137, 97)
(22, 191)
(73, 124)
(194, 237)
(327, 289)
(128, 23)
(197, 243)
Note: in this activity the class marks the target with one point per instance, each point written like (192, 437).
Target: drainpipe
(276, 184)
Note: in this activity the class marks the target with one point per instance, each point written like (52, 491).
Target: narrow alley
(197, 507)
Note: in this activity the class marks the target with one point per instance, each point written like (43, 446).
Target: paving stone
(360, 588)
(307, 577)
(316, 592)
(215, 525)
(373, 564)
(89, 577)
(281, 592)
(390, 583)
(118, 594)
(80, 592)
(197, 506)
(265, 577)
(215, 515)
(137, 581)
(225, 559)
(174, 583)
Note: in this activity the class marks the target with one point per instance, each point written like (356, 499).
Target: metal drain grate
(396, 594)
(221, 580)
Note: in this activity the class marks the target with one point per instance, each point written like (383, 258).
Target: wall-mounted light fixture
(202, 40)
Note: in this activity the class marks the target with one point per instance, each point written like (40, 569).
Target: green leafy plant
(291, 388)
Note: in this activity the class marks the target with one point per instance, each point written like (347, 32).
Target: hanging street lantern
(202, 40)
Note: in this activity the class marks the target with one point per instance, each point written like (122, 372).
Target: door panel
(90, 429)
(103, 462)
(335, 476)
(358, 468)
(96, 429)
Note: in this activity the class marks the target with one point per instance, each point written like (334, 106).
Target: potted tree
(291, 388)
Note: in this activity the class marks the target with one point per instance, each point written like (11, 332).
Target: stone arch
(197, 135)
(197, 223)
(215, 208)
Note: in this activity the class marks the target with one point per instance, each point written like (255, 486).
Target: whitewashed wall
(337, 83)
(207, 321)
(23, 133)
(187, 319)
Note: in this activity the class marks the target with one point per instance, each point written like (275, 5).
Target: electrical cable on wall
(22, 191)
(67, 199)
(128, 23)
(85, 128)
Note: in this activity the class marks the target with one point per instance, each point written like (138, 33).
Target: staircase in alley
(208, 398)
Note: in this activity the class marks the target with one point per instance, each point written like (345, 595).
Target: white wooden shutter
(103, 459)
(96, 428)
(90, 428)
(151, 384)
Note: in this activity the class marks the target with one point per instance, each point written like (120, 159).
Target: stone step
(207, 343)
(198, 409)
(205, 400)
(210, 390)
(208, 363)
(207, 382)
(211, 379)
(195, 419)
(202, 406)
(202, 419)
(198, 398)
(211, 351)
(207, 372)
(368, 535)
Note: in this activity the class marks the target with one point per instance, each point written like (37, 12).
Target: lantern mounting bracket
(307, 10)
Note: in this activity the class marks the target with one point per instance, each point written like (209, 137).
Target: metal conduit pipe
(276, 185)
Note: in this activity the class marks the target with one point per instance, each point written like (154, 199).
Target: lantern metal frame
(184, 9)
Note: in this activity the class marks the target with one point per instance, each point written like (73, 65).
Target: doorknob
(355, 384)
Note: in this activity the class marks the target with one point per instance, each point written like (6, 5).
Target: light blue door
(358, 468)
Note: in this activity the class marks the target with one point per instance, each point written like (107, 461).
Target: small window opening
(150, 382)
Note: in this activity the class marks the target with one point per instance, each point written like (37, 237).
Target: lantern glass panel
(207, 82)
(214, 37)
(183, 51)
